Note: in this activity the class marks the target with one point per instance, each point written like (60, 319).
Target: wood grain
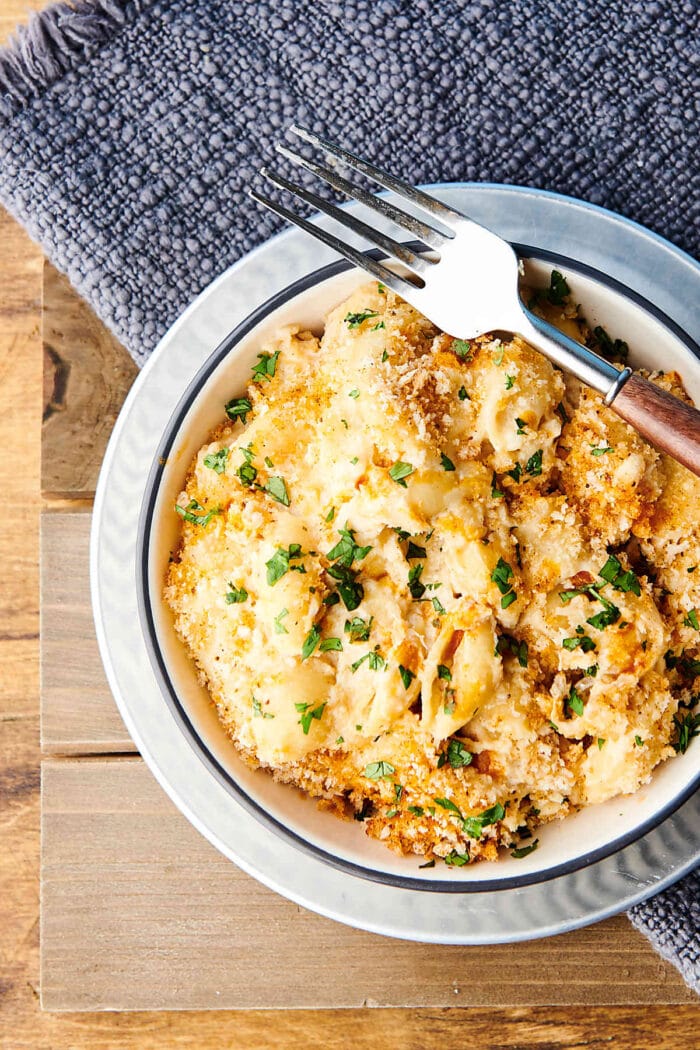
(670, 424)
(139, 909)
(78, 714)
(87, 374)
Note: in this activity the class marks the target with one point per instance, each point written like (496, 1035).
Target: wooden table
(610, 950)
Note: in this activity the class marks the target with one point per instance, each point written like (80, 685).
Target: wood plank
(87, 374)
(139, 911)
(78, 713)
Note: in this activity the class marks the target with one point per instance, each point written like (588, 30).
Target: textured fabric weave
(130, 129)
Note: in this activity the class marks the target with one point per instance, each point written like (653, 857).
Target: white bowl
(579, 840)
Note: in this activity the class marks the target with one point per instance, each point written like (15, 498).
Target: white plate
(596, 238)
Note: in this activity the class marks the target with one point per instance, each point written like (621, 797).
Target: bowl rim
(159, 664)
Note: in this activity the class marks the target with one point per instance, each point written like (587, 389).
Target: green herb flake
(279, 563)
(400, 471)
(687, 727)
(638, 741)
(354, 394)
(462, 348)
(438, 606)
(217, 461)
(346, 551)
(279, 626)
(558, 288)
(456, 860)
(521, 425)
(510, 382)
(691, 620)
(331, 645)
(524, 851)
(444, 673)
(406, 676)
(266, 367)
(428, 864)
(457, 754)
(596, 450)
(238, 408)
(496, 493)
(278, 490)
(195, 513)
(448, 804)
(446, 462)
(601, 742)
(308, 714)
(610, 348)
(473, 826)
(358, 629)
(310, 642)
(258, 710)
(385, 355)
(379, 771)
(533, 467)
(575, 702)
(462, 394)
(354, 320)
(506, 644)
(562, 413)
(330, 515)
(415, 551)
(416, 588)
(235, 595)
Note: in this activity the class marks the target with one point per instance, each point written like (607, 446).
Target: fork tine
(404, 189)
(392, 247)
(420, 229)
(392, 280)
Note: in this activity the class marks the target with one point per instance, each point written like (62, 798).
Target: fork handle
(668, 423)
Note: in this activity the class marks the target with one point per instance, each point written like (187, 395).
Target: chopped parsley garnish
(258, 710)
(266, 366)
(473, 826)
(354, 394)
(356, 319)
(638, 741)
(279, 563)
(521, 425)
(524, 851)
(533, 467)
(455, 859)
(463, 348)
(308, 714)
(582, 642)
(268, 463)
(331, 599)
(247, 473)
(462, 394)
(686, 665)
(346, 551)
(507, 644)
(279, 626)
(601, 742)
(501, 576)
(558, 288)
(596, 450)
(444, 673)
(446, 462)
(448, 804)
(562, 413)
(438, 606)
(574, 701)
(330, 515)
(349, 589)
(375, 328)
(385, 355)
(613, 573)
(400, 471)
(496, 493)
(498, 357)
(310, 642)
(406, 676)
(688, 727)
(375, 661)
(457, 754)
(278, 490)
(398, 791)
(417, 811)
(510, 382)
(330, 644)
(381, 288)
(415, 586)
(415, 551)
(358, 629)
(236, 595)
(379, 770)
(691, 620)
(516, 473)
(216, 461)
(591, 671)
(238, 408)
(428, 864)
(195, 513)
(610, 347)
(609, 615)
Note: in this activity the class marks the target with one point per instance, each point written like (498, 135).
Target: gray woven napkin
(130, 129)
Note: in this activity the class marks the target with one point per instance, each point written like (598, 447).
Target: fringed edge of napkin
(56, 40)
(671, 921)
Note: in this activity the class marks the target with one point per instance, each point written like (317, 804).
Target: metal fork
(468, 285)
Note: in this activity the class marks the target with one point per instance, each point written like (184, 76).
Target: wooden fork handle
(669, 424)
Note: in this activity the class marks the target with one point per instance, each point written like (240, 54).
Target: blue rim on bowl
(159, 662)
